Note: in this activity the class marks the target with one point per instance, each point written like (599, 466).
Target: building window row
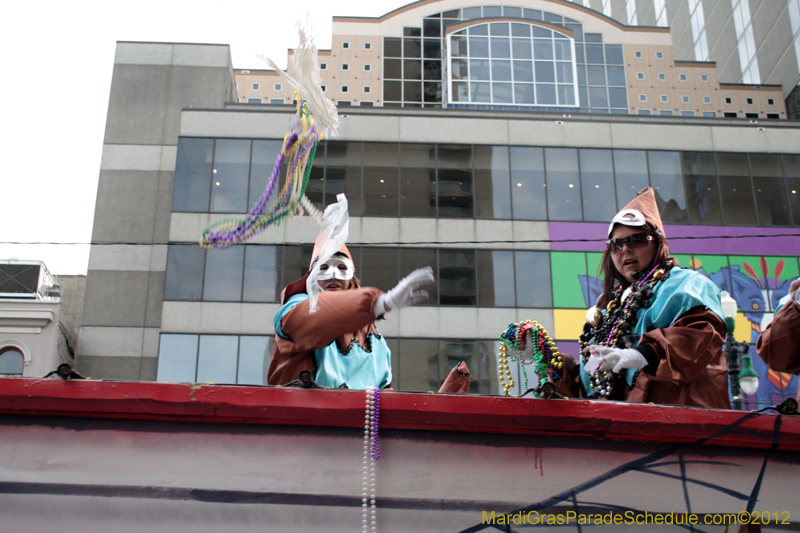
(417, 364)
(258, 273)
(464, 277)
(498, 182)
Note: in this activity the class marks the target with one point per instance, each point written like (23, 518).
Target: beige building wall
(658, 83)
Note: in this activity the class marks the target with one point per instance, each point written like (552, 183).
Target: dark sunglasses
(634, 242)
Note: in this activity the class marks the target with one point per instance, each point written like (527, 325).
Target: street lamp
(746, 379)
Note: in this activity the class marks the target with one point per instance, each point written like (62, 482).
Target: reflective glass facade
(501, 182)
(527, 62)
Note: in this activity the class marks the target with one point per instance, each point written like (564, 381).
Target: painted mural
(757, 283)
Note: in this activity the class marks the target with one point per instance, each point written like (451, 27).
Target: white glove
(406, 292)
(615, 359)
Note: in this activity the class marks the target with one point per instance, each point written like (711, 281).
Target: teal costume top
(358, 366)
(683, 291)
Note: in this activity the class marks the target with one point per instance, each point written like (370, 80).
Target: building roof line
(559, 3)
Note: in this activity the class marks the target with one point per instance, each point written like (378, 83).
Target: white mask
(337, 267)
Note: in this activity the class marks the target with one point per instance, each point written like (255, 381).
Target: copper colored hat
(299, 286)
(642, 210)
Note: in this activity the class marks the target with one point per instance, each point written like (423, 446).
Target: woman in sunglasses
(338, 342)
(656, 332)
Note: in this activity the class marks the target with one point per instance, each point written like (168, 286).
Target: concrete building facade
(510, 209)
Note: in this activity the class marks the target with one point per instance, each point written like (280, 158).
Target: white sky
(58, 57)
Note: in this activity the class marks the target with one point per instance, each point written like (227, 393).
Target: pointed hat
(642, 210)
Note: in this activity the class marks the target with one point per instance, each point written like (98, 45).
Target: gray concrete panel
(126, 203)
(115, 298)
(155, 295)
(680, 29)
(137, 106)
(785, 72)
(645, 12)
(194, 87)
(719, 20)
(163, 206)
(725, 51)
(772, 31)
(119, 368)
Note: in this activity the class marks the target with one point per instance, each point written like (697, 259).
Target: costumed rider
(656, 332)
(779, 343)
(338, 342)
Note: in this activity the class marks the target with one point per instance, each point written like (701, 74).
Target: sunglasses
(634, 242)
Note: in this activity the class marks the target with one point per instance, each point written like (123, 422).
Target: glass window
(667, 183)
(563, 184)
(184, 275)
(700, 184)
(598, 97)
(770, 190)
(230, 176)
(531, 268)
(457, 284)
(378, 268)
(454, 181)
(265, 153)
(216, 362)
(614, 54)
(431, 27)
(343, 174)
(177, 358)
(295, 263)
(492, 188)
(261, 273)
(417, 180)
(618, 97)
(616, 76)
(736, 189)
(630, 170)
(432, 49)
(527, 183)
(193, 175)
(412, 91)
(433, 70)
(419, 358)
(496, 278)
(223, 281)
(12, 362)
(381, 164)
(597, 185)
(791, 165)
(594, 54)
(412, 47)
(596, 75)
(255, 354)
(392, 47)
(414, 258)
(316, 180)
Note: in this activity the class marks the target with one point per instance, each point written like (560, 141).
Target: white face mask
(337, 267)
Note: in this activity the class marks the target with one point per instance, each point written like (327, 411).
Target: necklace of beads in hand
(616, 326)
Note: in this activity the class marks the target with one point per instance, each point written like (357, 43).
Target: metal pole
(732, 354)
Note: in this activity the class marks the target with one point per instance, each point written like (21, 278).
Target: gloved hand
(606, 358)
(406, 292)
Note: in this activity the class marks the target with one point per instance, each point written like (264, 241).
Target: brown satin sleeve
(689, 347)
(569, 384)
(779, 343)
(457, 381)
(339, 313)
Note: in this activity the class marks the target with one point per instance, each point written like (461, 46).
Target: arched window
(11, 361)
(512, 63)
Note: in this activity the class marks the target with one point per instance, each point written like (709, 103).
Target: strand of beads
(299, 148)
(502, 369)
(368, 489)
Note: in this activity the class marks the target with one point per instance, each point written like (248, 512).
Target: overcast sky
(57, 62)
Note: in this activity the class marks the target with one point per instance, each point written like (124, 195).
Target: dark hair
(612, 277)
